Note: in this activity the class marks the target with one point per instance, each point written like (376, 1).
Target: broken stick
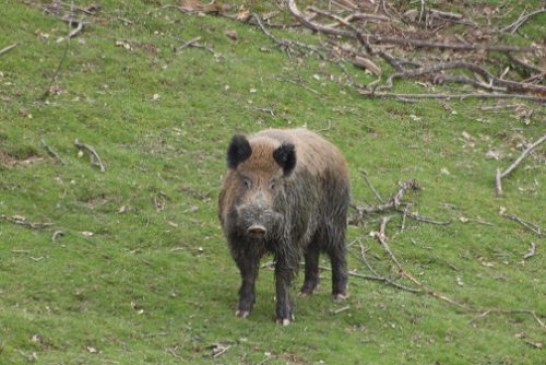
(8, 48)
(93, 155)
(512, 167)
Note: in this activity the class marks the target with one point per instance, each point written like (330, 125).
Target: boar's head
(260, 169)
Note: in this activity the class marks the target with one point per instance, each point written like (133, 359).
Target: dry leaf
(198, 7)
(467, 136)
(92, 350)
(232, 34)
(243, 15)
(493, 154)
(124, 44)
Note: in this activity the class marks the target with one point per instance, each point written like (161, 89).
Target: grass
(142, 274)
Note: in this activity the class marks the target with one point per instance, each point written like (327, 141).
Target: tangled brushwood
(401, 40)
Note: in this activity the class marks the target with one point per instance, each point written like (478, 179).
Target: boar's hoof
(284, 321)
(308, 289)
(256, 231)
(242, 313)
(338, 297)
(305, 292)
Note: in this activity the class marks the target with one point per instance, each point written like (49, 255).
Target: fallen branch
(409, 97)
(490, 79)
(378, 278)
(93, 155)
(8, 48)
(512, 167)
(393, 203)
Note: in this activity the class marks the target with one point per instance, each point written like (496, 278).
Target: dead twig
(50, 151)
(372, 188)
(529, 225)
(422, 218)
(531, 252)
(63, 57)
(377, 277)
(77, 30)
(23, 221)
(382, 239)
(56, 235)
(8, 48)
(284, 43)
(218, 349)
(340, 310)
(512, 167)
(93, 155)
(299, 84)
(189, 43)
(531, 313)
(513, 27)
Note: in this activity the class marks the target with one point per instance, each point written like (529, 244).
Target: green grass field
(141, 273)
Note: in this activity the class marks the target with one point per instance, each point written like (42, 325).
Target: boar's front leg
(284, 274)
(248, 266)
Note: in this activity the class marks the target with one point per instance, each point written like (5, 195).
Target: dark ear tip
(238, 150)
(285, 155)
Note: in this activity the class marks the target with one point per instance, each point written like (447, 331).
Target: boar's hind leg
(311, 280)
(248, 266)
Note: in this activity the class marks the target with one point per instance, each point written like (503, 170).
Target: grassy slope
(156, 284)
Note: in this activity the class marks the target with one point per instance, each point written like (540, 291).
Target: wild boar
(286, 192)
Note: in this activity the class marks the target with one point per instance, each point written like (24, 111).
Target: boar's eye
(272, 184)
(247, 183)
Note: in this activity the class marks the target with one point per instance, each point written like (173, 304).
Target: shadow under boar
(286, 192)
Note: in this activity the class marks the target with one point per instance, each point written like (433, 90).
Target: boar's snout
(256, 231)
(258, 223)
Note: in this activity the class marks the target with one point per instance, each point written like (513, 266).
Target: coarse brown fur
(286, 192)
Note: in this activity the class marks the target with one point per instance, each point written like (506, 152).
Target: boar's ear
(285, 156)
(238, 151)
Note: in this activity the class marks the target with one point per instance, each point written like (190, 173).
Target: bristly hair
(285, 155)
(238, 151)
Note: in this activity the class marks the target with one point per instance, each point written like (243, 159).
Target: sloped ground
(129, 265)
